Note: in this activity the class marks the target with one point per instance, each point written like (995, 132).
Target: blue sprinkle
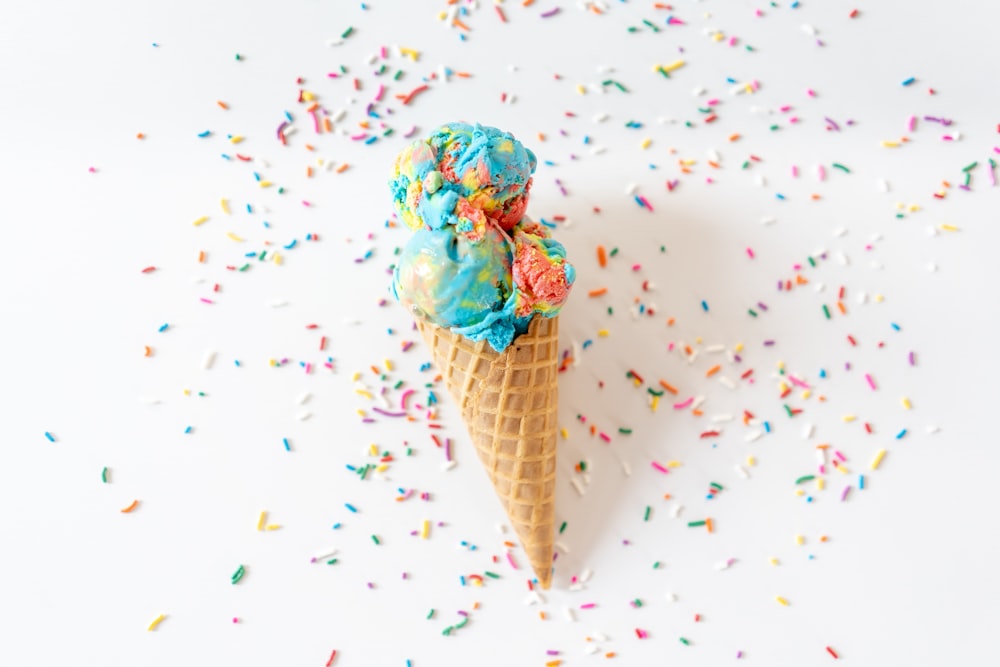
(187, 430)
(795, 4)
(389, 331)
(250, 254)
(205, 133)
(426, 366)
(587, 343)
(351, 468)
(730, 79)
(431, 398)
(336, 526)
(462, 579)
(822, 373)
(809, 499)
(550, 163)
(237, 362)
(288, 447)
(550, 225)
(909, 81)
(249, 210)
(894, 326)
(288, 117)
(256, 176)
(767, 427)
(900, 434)
(267, 225)
(49, 437)
(704, 306)
(163, 328)
(638, 200)
(586, 139)
(351, 507)
(861, 482)
(372, 139)
(292, 244)
(226, 157)
(779, 196)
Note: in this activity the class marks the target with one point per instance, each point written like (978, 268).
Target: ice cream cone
(509, 402)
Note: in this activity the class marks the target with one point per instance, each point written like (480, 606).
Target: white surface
(908, 573)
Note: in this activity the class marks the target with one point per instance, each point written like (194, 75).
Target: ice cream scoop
(476, 265)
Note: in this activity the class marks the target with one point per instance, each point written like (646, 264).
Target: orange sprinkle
(667, 496)
(610, 654)
(149, 351)
(815, 196)
(602, 256)
(309, 172)
(541, 615)
(840, 305)
(734, 137)
(596, 9)
(685, 170)
(800, 280)
(598, 292)
(461, 25)
(309, 147)
(697, 413)
(140, 136)
(342, 168)
(327, 125)
(593, 429)
(687, 349)
(135, 503)
(708, 524)
(668, 387)
(313, 107)
(222, 104)
(712, 371)
(527, 3)
(670, 322)
(541, 137)
(201, 256)
(713, 164)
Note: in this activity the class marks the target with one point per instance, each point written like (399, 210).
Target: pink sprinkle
(871, 382)
(204, 300)
(305, 203)
(406, 395)
(604, 436)
(821, 172)
(750, 252)
(637, 267)
(810, 92)
(659, 467)
(645, 202)
(510, 559)
(797, 382)
(795, 171)
(447, 449)
(947, 137)
(912, 360)
(681, 406)
(381, 90)
(912, 124)
(641, 634)
(589, 605)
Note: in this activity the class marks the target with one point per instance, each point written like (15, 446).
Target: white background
(907, 574)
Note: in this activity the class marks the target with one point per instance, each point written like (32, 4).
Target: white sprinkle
(808, 430)
(932, 267)
(820, 286)
(303, 398)
(718, 419)
(713, 155)
(726, 564)
(697, 402)
(862, 297)
(675, 510)
(598, 150)
(698, 91)
(842, 258)
(753, 436)
(742, 472)
(932, 230)
(208, 359)
(933, 429)
(821, 456)
(511, 68)
(569, 614)
(501, 528)
(768, 220)
(576, 485)
(840, 231)
(627, 469)
(883, 185)
(304, 415)
(339, 116)
(671, 597)
(600, 636)
(591, 649)
(448, 465)
(323, 556)
(562, 547)
(149, 400)
(727, 381)
(808, 29)
(601, 117)
(576, 587)
(278, 304)
(878, 266)
(604, 69)
(692, 357)
(715, 348)
(760, 180)
(585, 575)
(631, 188)
(529, 600)
(334, 42)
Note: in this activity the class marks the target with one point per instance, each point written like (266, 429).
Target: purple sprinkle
(768, 343)
(387, 413)
(551, 652)
(551, 12)
(447, 449)
(913, 361)
(833, 125)
(463, 613)
(761, 305)
(367, 420)
(843, 494)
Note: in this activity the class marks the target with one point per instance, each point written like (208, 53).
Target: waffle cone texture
(509, 402)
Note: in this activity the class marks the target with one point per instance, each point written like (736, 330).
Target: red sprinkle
(833, 653)
(149, 269)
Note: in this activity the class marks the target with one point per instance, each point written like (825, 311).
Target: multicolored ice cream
(475, 265)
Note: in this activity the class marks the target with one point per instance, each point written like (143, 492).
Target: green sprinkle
(805, 478)
(492, 575)
(654, 392)
(398, 385)
(789, 410)
(409, 451)
(745, 164)
(346, 33)
(970, 167)
(688, 123)
(812, 262)
(237, 56)
(662, 71)
(430, 614)
(332, 561)
(695, 524)
(281, 190)
(632, 28)
(775, 127)
(244, 267)
(826, 311)
(583, 466)
(841, 167)
(375, 539)
(104, 475)
(716, 485)
(651, 25)
(663, 248)
(397, 75)
(238, 574)
(387, 132)
(610, 311)
(462, 623)
(648, 510)
(614, 251)
(656, 565)
(447, 631)
(637, 602)
(968, 177)
(685, 642)
(752, 313)
(625, 431)
(748, 47)
(260, 257)
(993, 165)
(562, 527)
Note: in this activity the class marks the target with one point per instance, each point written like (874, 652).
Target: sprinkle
(238, 574)
(333, 656)
(780, 600)
(909, 81)
(156, 622)
(260, 520)
(49, 437)
(135, 503)
(878, 459)
(104, 475)
(351, 508)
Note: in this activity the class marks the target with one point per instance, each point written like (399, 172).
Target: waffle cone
(509, 402)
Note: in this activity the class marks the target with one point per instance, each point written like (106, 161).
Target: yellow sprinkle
(200, 221)
(307, 96)
(381, 468)
(781, 365)
(677, 64)
(278, 259)
(426, 530)
(266, 184)
(272, 362)
(820, 483)
(261, 519)
(783, 386)
(806, 393)
(187, 392)
(900, 206)
(906, 403)
(234, 237)
(442, 16)
(738, 348)
(373, 449)
(840, 468)
(800, 492)
(356, 376)
(780, 600)
(914, 208)
(388, 365)
(235, 140)
(718, 37)
(690, 163)
(645, 143)
(224, 203)
(800, 540)
(272, 526)
(751, 461)
(580, 89)
(674, 464)
(410, 53)
(949, 228)
(364, 393)
(699, 338)
(361, 413)
(156, 622)
(564, 433)
(603, 333)
(748, 88)
(848, 418)
(877, 461)
(773, 560)
(890, 144)
(654, 402)
(879, 298)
